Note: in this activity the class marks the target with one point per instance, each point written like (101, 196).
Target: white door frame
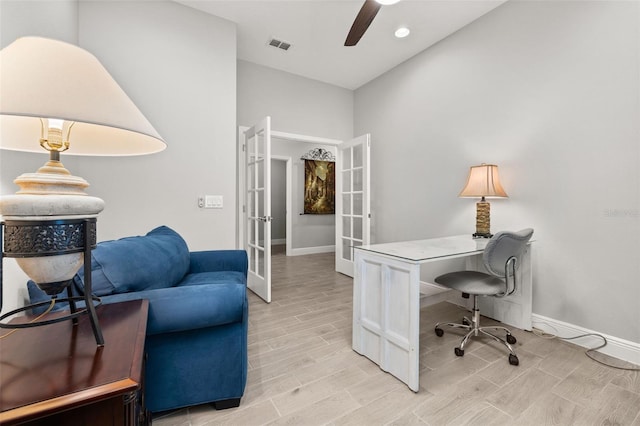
(241, 180)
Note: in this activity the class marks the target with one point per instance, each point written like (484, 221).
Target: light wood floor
(302, 370)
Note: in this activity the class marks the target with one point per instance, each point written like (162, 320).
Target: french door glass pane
(357, 180)
(346, 159)
(346, 203)
(260, 145)
(357, 228)
(260, 172)
(260, 262)
(346, 249)
(251, 232)
(358, 156)
(357, 204)
(346, 181)
(346, 226)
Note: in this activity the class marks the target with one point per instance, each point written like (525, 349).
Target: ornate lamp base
(56, 238)
(483, 219)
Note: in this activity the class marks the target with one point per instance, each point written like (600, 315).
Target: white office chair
(500, 258)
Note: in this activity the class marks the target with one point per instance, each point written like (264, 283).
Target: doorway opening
(280, 205)
(314, 233)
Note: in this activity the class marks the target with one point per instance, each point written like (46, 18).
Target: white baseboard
(312, 250)
(616, 347)
(278, 242)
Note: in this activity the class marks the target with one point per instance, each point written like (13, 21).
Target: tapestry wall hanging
(319, 182)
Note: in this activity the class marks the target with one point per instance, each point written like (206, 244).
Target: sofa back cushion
(159, 259)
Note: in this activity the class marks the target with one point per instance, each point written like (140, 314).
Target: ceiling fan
(364, 18)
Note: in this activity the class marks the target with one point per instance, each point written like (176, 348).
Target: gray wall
(19, 18)
(178, 65)
(301, 106)
(549, 91)
(295, 104)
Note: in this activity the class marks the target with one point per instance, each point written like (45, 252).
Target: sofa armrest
(218, 260)
(187, 308)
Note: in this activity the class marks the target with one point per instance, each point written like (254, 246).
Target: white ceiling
(317, 29)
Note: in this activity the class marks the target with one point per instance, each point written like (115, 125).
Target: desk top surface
(433, 248)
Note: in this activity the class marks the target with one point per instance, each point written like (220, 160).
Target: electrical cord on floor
(53, 302)
(589, 351)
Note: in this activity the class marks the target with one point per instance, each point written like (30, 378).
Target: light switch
(213, 202)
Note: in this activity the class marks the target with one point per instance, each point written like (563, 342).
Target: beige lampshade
(483, 181)
(42, 78)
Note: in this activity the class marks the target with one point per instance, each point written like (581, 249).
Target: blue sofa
(196, 340)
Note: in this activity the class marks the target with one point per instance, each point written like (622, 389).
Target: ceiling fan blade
(364, 18)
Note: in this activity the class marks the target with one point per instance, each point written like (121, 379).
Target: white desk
(386, 298)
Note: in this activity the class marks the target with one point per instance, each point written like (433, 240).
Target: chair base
(473, 325)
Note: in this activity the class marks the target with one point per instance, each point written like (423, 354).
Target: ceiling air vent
(279, 44)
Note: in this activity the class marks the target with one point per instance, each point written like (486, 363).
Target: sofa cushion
(159, 259)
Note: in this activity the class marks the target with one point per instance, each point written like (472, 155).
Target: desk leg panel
(386, 314)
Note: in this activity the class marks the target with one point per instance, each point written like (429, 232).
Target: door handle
(265, 218)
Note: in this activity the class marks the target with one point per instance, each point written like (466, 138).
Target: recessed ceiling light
(402, 32)
(387, 2)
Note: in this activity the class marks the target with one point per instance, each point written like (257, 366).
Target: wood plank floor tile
(455, 400)
(481, 414)
(321, 412)
(313, 392)
(451, 373)
(551, 409)
(586, 382)
(517, 395)
(616, 406)
(382, 410)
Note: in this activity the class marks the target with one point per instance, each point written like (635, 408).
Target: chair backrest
(501, 247)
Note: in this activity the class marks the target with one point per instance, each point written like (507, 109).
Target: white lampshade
(44, 78)
(56, 96)
(483, 181)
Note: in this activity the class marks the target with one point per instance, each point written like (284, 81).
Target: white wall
(549, 91)
(178, 65)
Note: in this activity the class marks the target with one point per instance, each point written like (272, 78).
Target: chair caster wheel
(510, 339)
(460, 352)
(513, 360)
(465, 321)
(439, 332)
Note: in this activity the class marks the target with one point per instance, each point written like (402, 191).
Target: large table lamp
(483, 182)
(55, 97)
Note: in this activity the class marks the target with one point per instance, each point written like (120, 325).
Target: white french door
(352, 200)
(258, 207)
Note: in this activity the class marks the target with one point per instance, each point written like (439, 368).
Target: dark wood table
(57, 375)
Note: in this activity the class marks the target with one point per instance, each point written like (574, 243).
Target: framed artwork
(319, 185)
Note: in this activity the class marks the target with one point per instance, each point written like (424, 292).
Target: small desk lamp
(483, 181)
(56, 96)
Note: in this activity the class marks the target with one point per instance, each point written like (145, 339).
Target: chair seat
(472, 282)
